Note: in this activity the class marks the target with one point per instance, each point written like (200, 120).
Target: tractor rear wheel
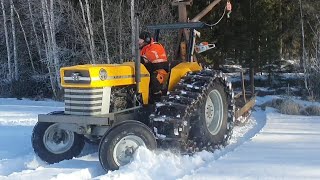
(53, 144)
(120, 143)
(199, 111)
(212, 126)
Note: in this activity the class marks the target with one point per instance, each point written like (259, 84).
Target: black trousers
(155, 87)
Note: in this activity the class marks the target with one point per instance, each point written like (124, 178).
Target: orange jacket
(154, 52)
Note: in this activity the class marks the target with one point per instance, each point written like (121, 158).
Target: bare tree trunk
(46, 26)
(132, 29)
(318, 47)
(49, 49)
(318, 42)
(54, 44)
(302, 33)
(105, 33)
(52, 81)
(303, 59)
(7, 40)
(26, 40)
(76, 22)
(34, 29)
(280, 28)
(91, 32)
(87, 32)
(120, 32)
(14, 41)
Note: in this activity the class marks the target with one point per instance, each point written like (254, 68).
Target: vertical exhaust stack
(137, 55)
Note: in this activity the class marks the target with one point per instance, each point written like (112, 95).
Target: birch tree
(91, 31)
(88, 28)
(302, 62)
(50, 44)
(54, 43)
(14, 42)
(280, 28)
(25, 39)
(104, 33)
(303, 58)
(34, 29)
(7, 40)
(315, 61)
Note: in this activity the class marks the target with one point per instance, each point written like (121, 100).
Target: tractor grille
(84, 101)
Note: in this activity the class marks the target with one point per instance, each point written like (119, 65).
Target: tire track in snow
(17, 159)
(15, 149)
(166, 165)
(242, 134)
(17, 118)
(23, 168)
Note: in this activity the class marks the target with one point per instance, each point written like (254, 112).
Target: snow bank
(15, 112)
(164, 165)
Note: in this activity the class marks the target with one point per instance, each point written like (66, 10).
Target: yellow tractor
(109, 104)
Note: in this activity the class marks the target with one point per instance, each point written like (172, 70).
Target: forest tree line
(37, 37)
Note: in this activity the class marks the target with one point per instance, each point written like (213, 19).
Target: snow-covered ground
(269, 146)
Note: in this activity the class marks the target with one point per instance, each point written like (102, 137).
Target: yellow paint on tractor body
(181, 70)
(114, 75)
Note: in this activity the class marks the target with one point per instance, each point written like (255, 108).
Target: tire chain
(176, 109)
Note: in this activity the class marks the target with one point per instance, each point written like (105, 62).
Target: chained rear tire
(202, 107)
(212, 127)
(53, 145)
(120, 143)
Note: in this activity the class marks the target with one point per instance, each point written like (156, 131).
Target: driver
(154, 57)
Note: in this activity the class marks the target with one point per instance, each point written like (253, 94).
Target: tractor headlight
(103, 74)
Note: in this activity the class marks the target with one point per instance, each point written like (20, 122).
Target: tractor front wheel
(120, 143)
(53, 144)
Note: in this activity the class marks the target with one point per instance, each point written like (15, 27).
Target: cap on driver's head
(146, 36)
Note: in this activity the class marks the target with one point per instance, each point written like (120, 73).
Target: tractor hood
(100, 75)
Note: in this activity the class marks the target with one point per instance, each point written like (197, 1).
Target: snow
(269, 146)
(261, 100)
(24, 113)
(287, 147)
(234, 77)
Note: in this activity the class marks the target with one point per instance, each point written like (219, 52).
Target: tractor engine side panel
(92, 76)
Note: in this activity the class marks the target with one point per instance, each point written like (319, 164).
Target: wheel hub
(129, 151)
(125, 148)
(214, 112)
(57, 140)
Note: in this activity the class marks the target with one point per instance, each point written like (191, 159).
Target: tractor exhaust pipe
(137, 55)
